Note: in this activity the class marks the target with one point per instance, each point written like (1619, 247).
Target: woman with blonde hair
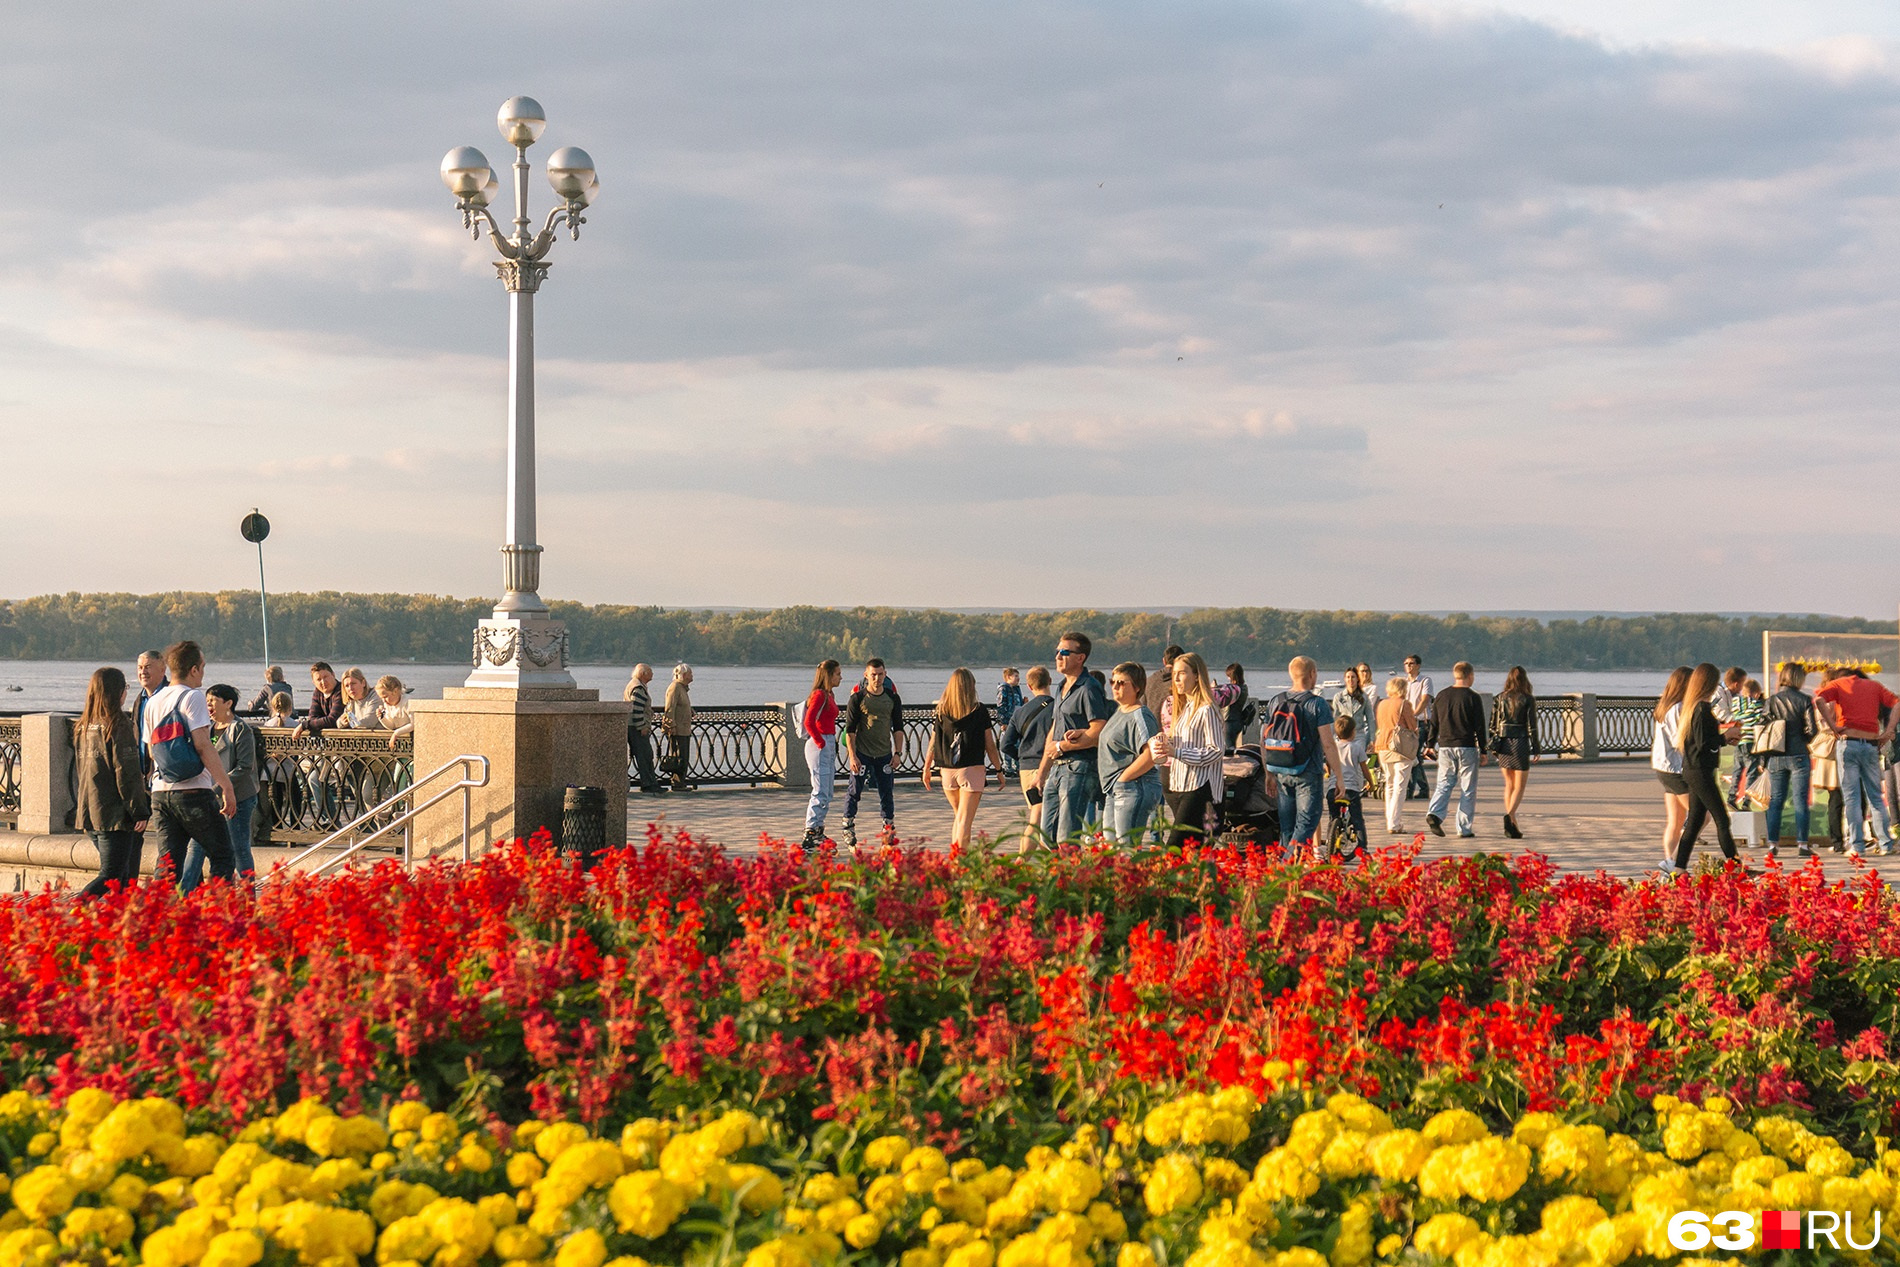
(1192, 745)
(359, 706)
(963, 747)
(1397, 746)
(1700, 737)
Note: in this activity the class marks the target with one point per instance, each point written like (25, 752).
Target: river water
(60, 685)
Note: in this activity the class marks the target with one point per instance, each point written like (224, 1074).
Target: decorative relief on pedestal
(540, 646)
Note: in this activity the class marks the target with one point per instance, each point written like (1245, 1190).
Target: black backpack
(1287, 742)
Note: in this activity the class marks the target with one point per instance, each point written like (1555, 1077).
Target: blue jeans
(1460, 765)
(1071, 797)
(822, 760)
(1783, 771)
(1130, 809)
(877, 771)
(1301, 798)
(239, 826)
(1860, 789)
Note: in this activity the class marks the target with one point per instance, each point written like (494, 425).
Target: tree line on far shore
(434, 629)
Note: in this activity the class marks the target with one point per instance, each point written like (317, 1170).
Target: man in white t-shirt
(1418, 693)
(186, 806)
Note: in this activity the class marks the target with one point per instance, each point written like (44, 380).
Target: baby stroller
(1249, 803)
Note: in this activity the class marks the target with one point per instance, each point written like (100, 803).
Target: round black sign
(255, 527)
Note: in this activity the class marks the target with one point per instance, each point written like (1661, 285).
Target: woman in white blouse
(1192, 745)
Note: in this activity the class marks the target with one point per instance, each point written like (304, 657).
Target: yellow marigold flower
(1285, 1175)
(44, 1192)
(758, 1188)
(959, 1200)
(409, 1115)
(643, 1139)
(1174, 1185)
(949, 1236)
(333, 1136)
(1829, 1160)
(458, 1223)
(975, 1254)
(1227, 1254)
(1444, 1233)
(108, 1225)
(646, 1203)
(1572, 1153)
(389, 1201)
(730, 1133)
(823, 1188)
(1397, 1155)
(1162, 1126)
(1108, 1222)
(1611, 1241)
(885, 1193)
(90, 1171)
(1455, 1126)
(1438, 1177)
(1311, 1133)
(586, 1248)
(1135, 1254)
(863, 1231)
(1664, 1194)
(297, 1119)
(1567, 1218)
(238, 1161)
(1070, 1185)
(920, 1258)
(197, 1156)
(927, 1161)
(88, 1106)
(628, 1260)
(408, 1237)
(127, 1192)
(34, 1247)
(592, 1163)
(1345, 1155)
(1847, 1195)
(438, 1128)
(1740, 1146)
(126, 1132)
(551, 1141)
(42, 1144)
(519, 1242)
(834, 1215)
(524, 1169)
(1358, 1113)
(233, 1249)
(1493, 1169)
(1533, 1128)
(1300, 1256)
(1223, 1176)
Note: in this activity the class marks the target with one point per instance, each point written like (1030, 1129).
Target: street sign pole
(255, 528)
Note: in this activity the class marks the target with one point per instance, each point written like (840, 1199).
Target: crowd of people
(182, 761)
(1840, 739)
(1126, 754)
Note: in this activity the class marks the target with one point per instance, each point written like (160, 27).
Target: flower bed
(983, 1010)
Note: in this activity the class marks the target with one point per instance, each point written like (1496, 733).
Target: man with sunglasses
(1071, 787)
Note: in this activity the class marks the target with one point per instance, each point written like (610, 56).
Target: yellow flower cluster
(126, 1182)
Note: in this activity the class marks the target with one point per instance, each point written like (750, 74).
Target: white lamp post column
(521, 646)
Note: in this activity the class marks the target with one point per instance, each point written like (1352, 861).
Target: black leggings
(1190, 812)
(1705, 802)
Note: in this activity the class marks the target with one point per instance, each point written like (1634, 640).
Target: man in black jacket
(873, 730)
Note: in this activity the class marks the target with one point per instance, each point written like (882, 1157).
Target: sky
(1553, 304)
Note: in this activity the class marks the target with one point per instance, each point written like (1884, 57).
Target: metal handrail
(462, 784)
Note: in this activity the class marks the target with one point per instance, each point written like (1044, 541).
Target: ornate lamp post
(521, 646)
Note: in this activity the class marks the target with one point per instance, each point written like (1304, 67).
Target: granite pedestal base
(539, 741)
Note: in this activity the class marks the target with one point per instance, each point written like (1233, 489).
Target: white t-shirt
(190, 703)
(1663, 753)
(1723, 705)
(1352, 763)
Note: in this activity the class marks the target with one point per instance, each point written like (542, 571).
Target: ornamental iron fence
(729, 744)
(1626, 724)
(9, 769)
(315, 785)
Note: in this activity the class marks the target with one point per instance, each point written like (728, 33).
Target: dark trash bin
(584, 823)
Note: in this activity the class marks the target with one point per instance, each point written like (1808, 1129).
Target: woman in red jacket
(819, 722)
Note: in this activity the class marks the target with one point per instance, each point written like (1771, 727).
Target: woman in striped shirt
(1192, 746)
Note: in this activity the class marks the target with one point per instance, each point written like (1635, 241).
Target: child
(280, 710)
(1009, 698)
(393, 713)
(1750, 709)
(1352, 781)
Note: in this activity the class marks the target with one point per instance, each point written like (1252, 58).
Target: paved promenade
(1603, 815)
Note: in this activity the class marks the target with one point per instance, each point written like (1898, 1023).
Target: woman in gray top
(1131, 785)
(236, 744)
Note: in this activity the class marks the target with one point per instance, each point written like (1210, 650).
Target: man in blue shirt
(1071, 788)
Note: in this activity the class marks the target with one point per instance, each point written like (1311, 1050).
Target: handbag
(1403, 744)
(1772, 739)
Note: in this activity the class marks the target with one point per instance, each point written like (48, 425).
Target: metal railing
(1560, 725)
(730, 744)
(312, 787)
(1626, 724)
(9, 769)
(382, 819)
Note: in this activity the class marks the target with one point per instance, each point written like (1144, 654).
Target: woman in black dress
(1700, 737)
(1514, 740)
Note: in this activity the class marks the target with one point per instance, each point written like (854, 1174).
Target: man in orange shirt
(1851, 707)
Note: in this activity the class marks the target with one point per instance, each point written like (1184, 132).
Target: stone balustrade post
(46, 773)
(791, 750)
(1589, 746)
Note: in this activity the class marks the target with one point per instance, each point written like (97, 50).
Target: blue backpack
(174, 756)
(1287, 743)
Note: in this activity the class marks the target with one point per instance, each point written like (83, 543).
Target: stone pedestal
(46, 765)
(539, 741)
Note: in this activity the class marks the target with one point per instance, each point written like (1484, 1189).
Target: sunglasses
(1065, 652)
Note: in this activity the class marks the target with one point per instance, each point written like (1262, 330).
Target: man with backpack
(1460, 743)
(188, 777)
(1298, 748)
